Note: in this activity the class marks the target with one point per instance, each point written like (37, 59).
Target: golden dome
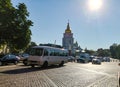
(68, 29)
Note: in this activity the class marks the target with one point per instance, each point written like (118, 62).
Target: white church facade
(68, 41)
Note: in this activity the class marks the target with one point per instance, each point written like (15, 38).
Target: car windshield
(6, 56)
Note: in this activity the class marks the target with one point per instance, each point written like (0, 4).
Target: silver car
(96, 61)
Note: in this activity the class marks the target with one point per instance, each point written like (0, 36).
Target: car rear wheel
(15, 62)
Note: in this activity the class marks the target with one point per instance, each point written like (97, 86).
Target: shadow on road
(28, 69)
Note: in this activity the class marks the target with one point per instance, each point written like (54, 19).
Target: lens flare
(95, 4)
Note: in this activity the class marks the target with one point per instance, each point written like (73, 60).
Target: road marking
(102, 73)
(102, 79)
(94, 71)
(107, 76)
(54, 85)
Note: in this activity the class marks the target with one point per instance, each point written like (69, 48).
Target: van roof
(48, 47)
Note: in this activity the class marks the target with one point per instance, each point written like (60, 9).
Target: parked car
(83, 58)
(96, 61)
(106, 59)
(24, 58)
(9, 58)
(91, 58)
(71, 59)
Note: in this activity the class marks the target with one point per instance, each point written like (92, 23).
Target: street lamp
(77, 53)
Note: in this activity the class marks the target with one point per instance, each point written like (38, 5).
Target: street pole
(118, 79)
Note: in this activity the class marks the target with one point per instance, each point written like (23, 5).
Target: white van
(44, 56)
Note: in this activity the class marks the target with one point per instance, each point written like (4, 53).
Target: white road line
(50, 80)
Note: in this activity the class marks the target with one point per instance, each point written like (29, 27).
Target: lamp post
(77, 52)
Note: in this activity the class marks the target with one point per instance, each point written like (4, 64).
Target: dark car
(106, 59)
(83, 59)
(9, 58)
(91, 58)
(71, 59)
(96, 61)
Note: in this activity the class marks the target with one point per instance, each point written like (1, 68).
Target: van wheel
(45, 65)
(62, 63)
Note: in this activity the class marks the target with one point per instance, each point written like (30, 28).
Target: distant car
(83, 59)
(9, 58)
(91, 58)
(71, 59)
(106, 59)
(24, 58)
(96, 61)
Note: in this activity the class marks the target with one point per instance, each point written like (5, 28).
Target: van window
(45, 52)
(36, 51)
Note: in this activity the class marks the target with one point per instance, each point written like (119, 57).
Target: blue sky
(91, 29)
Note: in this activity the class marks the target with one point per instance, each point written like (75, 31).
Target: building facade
(68, 41)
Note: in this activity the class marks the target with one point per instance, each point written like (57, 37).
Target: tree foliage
(6, 17)
(115, 51)
(29, 47)
(103, 52)
(22, 31)
(91, 52)
(14, 26)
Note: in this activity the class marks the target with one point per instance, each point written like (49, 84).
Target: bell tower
(68, 39)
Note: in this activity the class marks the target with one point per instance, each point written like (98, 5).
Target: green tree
(113, 49)
(22, 32)
(103, 52)
(14, 26)
(6, 17)
(91, 52)
(118, 52)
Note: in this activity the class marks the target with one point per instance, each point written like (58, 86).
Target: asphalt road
(70, 75)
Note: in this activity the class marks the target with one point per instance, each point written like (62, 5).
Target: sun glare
(95, 4)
